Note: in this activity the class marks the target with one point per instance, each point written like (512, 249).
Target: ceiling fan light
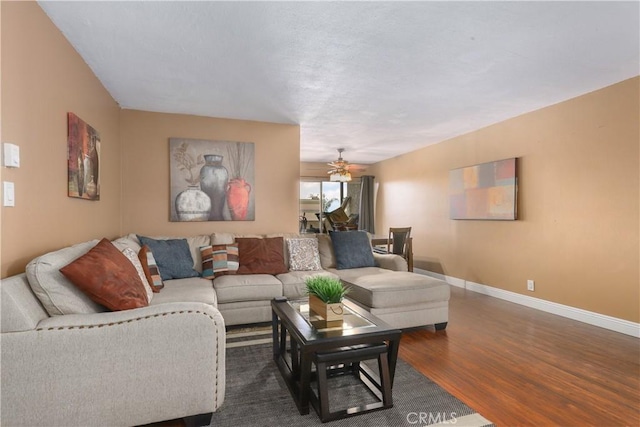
(343, 176)
(341, 172)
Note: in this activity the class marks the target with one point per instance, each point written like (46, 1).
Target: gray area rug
(256, 395)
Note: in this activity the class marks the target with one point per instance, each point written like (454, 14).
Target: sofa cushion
(391, 262)
(194, 242)
(227, 238)
(352, 249)
(303, 254)
(261, 256)
(129, 241)
(286, 236)
(150, 268)
(245, 312)
(395, 288)
(173, 257)
(218, 260)
(352, 274)
(192, 289)
(325, 248)
(132, 256)
(56, 293)
(107, 277)
(293, 286)
(247, 287)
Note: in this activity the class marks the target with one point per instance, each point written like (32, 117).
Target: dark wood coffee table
(309, 336)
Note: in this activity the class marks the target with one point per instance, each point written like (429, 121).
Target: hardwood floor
(523, 367)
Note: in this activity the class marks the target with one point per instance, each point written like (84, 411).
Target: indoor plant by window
(325, 297)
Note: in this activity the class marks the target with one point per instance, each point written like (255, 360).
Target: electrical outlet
(530, 285)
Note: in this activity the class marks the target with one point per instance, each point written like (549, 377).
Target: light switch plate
(8, 193)
(11, 156)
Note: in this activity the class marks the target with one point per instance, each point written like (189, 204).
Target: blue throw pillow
(352, 249)
(172, 257)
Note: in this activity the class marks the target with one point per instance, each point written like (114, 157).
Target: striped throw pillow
(150, 269)
(218, 260)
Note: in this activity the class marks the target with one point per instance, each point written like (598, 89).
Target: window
(318, 197)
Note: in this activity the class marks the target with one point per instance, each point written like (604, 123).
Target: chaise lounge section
(402, 299)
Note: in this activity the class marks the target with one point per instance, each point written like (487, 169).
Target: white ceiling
(379, 79)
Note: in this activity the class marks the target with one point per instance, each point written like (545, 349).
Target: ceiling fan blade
(336, 170)
(338, 164)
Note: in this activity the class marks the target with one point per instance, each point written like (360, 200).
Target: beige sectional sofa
(247, 299)
(167, 360)
(402, 299)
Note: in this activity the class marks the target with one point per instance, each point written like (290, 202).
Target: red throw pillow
(107, 277)
(261, 256)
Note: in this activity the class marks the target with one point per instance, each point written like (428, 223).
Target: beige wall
(145, 139)
(43, 78)
(578, 229)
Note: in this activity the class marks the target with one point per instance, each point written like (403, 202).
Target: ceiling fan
(339, 169)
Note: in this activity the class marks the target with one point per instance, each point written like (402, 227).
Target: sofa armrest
(102, 319)
(390, 262)
(118, 368)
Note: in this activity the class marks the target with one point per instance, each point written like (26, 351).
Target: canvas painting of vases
(211, 180)
(83, 161)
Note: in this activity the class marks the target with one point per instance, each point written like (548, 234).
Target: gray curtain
(366, 220)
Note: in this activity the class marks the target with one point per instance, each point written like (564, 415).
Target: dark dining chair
(399, 243)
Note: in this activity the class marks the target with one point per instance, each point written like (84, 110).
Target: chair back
(398, 238)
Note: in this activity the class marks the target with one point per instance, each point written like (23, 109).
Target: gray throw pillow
(172, 257)
(352, 249)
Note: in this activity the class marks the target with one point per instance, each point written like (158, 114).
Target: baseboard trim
(596, 319)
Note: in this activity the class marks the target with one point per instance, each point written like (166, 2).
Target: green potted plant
(325, 297)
